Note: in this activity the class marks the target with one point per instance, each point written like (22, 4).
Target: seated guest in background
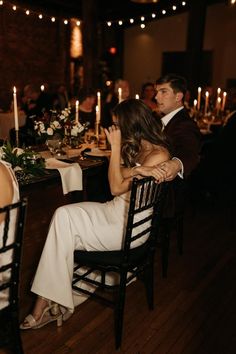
(137, 140)
(183, 134)
(9, 194)
(148, 94)
(60, 99)
(112, 99)
(87, 104)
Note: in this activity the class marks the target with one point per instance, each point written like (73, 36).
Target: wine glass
(53, 145)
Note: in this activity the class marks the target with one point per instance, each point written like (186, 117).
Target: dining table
(44, 194)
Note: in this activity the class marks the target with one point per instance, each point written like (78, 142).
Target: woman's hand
(113, 135)
(153, 171)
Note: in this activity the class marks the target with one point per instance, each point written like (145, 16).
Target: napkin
(71, 174)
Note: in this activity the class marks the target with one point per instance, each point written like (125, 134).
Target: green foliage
(27, 162)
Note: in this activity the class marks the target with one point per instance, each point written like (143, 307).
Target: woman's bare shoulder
(158, 155)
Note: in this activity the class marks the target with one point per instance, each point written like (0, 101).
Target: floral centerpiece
(26, 163)
(59, 125)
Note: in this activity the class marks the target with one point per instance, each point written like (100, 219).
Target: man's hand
(170, 169)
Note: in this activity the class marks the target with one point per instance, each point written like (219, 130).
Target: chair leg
(165, 244)
(119, 311)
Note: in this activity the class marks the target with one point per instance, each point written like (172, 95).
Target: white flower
(74, 131)
(55, 125)
(18, 151)
(80, 128)
(50, 131)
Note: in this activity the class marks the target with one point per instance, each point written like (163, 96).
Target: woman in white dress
(137, 141)
(9, 194)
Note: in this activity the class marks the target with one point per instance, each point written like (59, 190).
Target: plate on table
(98, 153)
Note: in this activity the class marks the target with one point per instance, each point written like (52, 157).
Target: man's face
(167, 100)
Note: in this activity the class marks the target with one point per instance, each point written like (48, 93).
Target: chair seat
(111, 258)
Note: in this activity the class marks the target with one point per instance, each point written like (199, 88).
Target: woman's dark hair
(136, 122)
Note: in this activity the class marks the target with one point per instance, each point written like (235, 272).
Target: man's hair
(177, 82)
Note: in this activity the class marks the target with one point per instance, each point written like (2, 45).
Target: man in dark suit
(184, 137)
(181, 130)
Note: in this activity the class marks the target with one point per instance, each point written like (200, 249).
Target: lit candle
(15, 109)
(97, 123)
(218, 95)
(218, 106)
(137, 96)
(224, 101)
(199, 98)
(206, 102)
(77, 111)
(119, 94)
(99, 106)
(42, 88)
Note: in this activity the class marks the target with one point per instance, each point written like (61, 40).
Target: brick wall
(31, 51)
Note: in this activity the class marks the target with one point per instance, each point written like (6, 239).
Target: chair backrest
(10, 249)
(145, 209)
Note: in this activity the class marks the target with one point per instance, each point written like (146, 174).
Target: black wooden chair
(9, 275)
(128, 263)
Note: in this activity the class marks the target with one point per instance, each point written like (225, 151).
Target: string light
(120, 22)
(28, 12)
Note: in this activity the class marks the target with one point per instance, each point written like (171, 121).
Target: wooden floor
(195, 306)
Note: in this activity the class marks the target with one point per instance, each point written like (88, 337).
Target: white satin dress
(86, 226)
(7, 257)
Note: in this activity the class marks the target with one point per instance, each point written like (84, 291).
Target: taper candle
(99, 105)
(199, 90)
(119, 94)
(77, 111)
(15, 109)
(206, 102)
(224, 101)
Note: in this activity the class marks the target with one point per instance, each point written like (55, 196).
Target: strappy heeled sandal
(50, 313)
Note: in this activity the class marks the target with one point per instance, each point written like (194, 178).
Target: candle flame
(219, 90)
(225, 93)
(207, 94)
(199, 89)
(14, 89)
(97, 109)
(195, 102)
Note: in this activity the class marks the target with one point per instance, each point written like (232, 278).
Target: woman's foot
(44, 312)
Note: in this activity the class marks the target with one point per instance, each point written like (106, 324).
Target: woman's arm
(6, 194)
(119, 177)
(118, 183)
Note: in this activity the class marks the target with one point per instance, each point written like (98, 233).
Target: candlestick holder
(97, 127)
(17, 138)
